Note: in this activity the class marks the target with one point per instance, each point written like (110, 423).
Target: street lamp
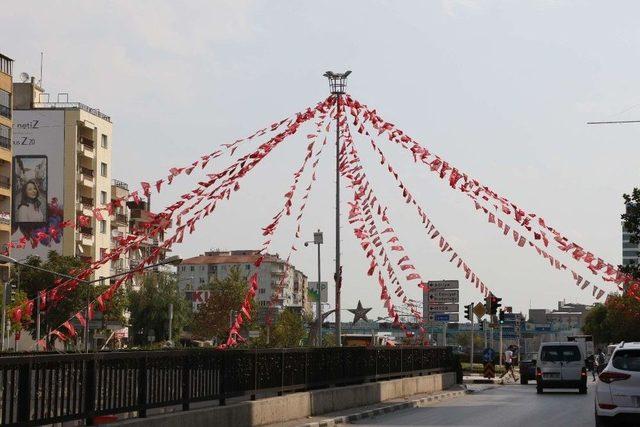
(338, 85)
(318, 240)
(173, 260)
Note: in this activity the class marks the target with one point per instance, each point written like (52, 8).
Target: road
(509, 405)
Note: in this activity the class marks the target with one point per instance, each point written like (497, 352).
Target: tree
(149, 308)
(618, 319)
(53, 314)
(631, 224)
(227, 295)
(464, 339)
(289, 330)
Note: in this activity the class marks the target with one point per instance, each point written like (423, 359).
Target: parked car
(528, 367)
(561, 365)
(618, 388)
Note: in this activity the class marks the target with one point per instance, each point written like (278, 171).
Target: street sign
(479, 310)
(442, 284)
(254, 334)
(444, 296)
(312, 292)
(443, 308)
(444, 317)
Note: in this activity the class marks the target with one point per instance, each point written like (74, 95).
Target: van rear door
(550, 362)
(572, 363)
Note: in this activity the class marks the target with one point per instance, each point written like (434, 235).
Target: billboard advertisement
(37, 178)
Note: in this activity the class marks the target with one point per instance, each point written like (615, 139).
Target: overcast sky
(501, 89)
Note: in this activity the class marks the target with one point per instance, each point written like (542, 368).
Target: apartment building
(630, 251)
(124, 221)
(6, 124)
(62, 168)
(197, 272)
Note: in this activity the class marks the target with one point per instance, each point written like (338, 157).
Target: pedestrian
(591, 365)
(600, 360)
(508, 363)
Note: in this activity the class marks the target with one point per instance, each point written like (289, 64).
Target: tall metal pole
(170, 321)
(319, 304)
(500, 360)
(471, 355)
(338, 272)
(86, 326)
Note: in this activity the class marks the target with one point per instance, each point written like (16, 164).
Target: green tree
(54, 313)
(149, 308)
(618, 319)
(288, 330)
(227, 295)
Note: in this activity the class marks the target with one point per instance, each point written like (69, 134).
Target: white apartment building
(197, 272)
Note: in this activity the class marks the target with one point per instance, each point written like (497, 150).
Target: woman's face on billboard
(31, 190)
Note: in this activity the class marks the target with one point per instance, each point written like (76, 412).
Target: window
(103, 197)
(6, 65)
(262, 290)
(247, 267)
(5, 137)
(103, 169)
(193, 268)
(626, 360)
(560, 353)
(5, 104)
(103, 227)
(103, 141)
(103, 252)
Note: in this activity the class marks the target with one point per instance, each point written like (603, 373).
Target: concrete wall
(299, 405)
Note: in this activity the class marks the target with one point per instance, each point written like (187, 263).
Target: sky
(501, 89)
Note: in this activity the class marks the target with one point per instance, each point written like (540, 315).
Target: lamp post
(337, 85)
(318, 240)
(3, 258)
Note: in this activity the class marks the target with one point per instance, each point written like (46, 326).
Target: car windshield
(560, 353)
(627, 360)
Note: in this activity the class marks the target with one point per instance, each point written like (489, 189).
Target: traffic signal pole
(471, 356)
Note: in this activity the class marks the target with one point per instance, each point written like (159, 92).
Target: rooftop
(231, 257)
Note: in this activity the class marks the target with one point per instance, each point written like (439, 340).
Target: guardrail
(44, 389)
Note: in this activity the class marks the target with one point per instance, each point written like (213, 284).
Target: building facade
(124, 221)
(62, 168)
(6, 124)
(198, 272)
(630, 251)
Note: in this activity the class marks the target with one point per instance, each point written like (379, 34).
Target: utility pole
(338, 84)
(38, 322)
(500, 360)
(318, 239)
(472, 334)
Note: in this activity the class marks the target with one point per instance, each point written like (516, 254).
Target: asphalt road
(509, 405)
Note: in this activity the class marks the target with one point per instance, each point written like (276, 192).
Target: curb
(345, 419)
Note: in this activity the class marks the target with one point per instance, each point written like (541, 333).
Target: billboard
(312, 292)
(37, 178)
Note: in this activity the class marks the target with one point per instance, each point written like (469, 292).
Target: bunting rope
(462, 182)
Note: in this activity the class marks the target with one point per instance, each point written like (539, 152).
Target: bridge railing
(43, 389)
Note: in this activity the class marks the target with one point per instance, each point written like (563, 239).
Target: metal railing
(120, 184)
(78, 105)
(52, 388)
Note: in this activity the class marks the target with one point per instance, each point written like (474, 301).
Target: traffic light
(487, 303)
(481, 326)
(468, 311)
(501, 316)
(494, 304)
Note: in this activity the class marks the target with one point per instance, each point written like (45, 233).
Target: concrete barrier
(299, 405)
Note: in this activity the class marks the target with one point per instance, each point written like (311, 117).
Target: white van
(561, 365)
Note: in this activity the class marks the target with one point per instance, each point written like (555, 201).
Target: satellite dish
(24, 77)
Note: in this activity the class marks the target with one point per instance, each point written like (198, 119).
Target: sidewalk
(353, 414)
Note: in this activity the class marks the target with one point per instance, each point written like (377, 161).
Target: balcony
(86, 147)
(85, 236)
(85, 205)
(5, 182)
(5, 221)
(120, 219)
(5, 142)
(85, 176)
